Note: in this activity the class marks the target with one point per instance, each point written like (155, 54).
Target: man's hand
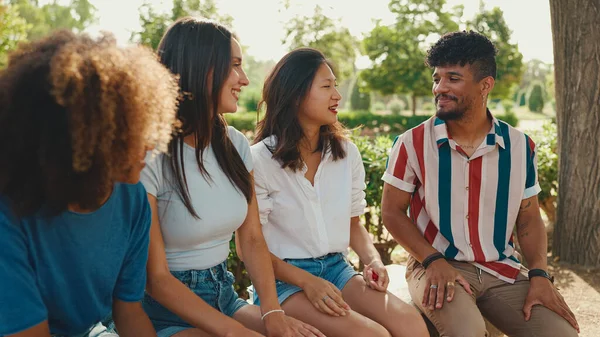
(376, 276)
(542, 292)
(280, 325)
(441, 277)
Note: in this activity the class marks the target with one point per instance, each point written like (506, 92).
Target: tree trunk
(576, 36)
(414, 104)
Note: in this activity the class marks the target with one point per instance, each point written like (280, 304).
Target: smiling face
(456, 91)
(319, 106)
(236, 79)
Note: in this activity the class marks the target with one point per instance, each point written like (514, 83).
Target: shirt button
(467, 216)
(470, 245)
(467, 188)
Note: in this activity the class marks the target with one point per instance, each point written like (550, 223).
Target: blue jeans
(332, 267)
(213, 285)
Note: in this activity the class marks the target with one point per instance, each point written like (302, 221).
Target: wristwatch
(541, 273)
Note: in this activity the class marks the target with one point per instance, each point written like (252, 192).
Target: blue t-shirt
(67, 269)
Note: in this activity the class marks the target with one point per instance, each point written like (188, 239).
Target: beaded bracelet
(270, 312)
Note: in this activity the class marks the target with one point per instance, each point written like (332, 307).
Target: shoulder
(132, 194)
(350, 148)
(7, 217)
(237, 138)
(517, 138)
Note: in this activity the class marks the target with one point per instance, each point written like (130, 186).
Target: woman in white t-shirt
(309, 181)
(200, 193)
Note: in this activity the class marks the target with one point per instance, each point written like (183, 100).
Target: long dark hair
(199, 51)
(285, 88)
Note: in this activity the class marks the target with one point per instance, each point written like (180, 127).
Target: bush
(392, 124)
(396, 107)
(250, 99)
(378, 106)
(536, 98)
(508, 106)
(523, 99)
(546, 146)
(360, 100)
(374, 153)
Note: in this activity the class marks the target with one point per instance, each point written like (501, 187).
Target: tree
(536, 98)
(76, 16)
(154, 24)
(575, 35)
(509, 61)
(326, 35)
(398, 50)
(13, 29)
(360, 100)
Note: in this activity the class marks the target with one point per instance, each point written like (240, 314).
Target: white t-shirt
(203, 243)
(305, 221)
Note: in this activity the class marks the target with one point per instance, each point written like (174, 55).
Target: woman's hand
(325, 297)
(376, 276)
(280, 325)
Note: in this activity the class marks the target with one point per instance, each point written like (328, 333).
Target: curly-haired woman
(76, 118)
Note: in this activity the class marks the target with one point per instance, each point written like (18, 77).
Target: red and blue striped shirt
(466, 207)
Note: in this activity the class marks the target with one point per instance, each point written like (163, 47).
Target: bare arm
(40, 330)
(361, 242)
(531, 233)
(173, 294)
(394, 207)
(131, 320)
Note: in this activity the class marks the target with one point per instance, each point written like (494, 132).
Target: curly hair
(461, 48)
(74, 114)
(285, 88)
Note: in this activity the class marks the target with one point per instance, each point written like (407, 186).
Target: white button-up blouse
(305, 221)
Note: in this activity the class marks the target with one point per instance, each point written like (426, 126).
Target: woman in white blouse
(200, 193)
(309, 181)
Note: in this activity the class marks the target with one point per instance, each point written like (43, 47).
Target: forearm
(179, 299)
(533, 242)
(133, 321)
(257, 258)
(289, 274)
(361, 242)
(406, 233)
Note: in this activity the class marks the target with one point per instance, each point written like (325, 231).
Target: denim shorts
(213, 285)
(333, 267)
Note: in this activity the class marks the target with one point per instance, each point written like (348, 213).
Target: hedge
(392, 124)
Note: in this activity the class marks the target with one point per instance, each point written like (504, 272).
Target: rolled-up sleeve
(265, 202)
(532, 186)
(358, 183)
(399, 172)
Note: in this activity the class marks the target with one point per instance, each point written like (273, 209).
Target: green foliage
(398, 50)
(367, 121)
(236, 267)
(508, 106)
(360, 100)
(523, 98)
(321, 32)
(536, 98)
(154, 24)
(378, 106)
(546, 149)
(76, 16)
(250, 98)
(13, 29)
(509, 61)
(396, 107)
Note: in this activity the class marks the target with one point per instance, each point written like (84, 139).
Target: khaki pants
(499, 302)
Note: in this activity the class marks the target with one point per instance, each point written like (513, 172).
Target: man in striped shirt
(469, 179)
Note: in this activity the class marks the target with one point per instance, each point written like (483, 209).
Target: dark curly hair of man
(461, 48)
(75, 115)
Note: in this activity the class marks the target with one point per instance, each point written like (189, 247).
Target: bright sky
(259, 23)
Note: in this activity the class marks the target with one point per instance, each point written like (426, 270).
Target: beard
(455, 113)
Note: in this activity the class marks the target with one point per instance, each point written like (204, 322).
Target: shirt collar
(494, 136)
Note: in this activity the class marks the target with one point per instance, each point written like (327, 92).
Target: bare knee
(371, 329)
(411, 324)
